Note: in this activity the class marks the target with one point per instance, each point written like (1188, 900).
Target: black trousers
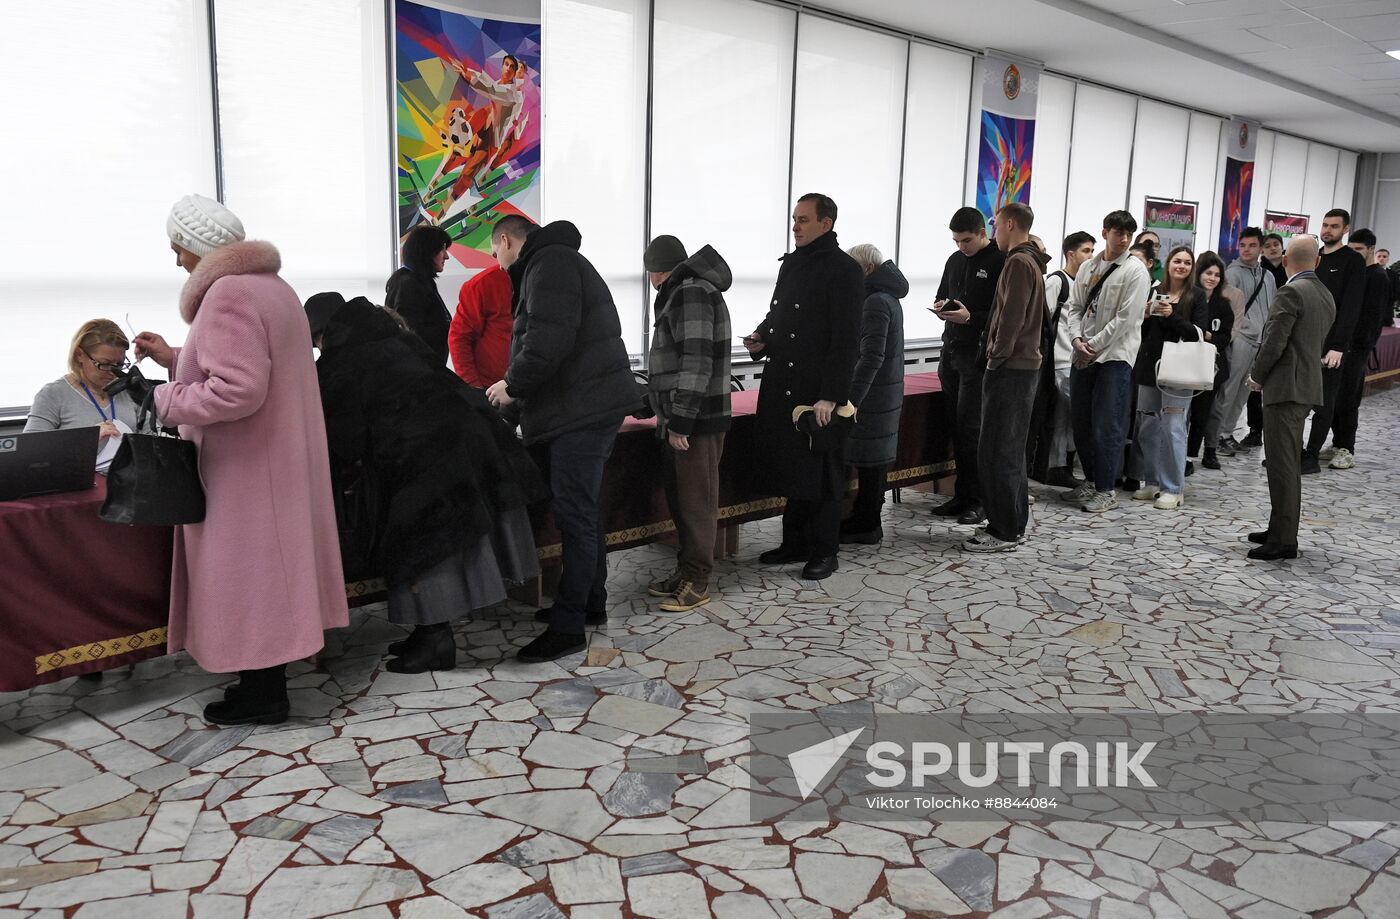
(961, 375)
(1353, 387)
(1323, 414)
(1254, 411)
(814, 526)
(1008, 397)
(870, 498)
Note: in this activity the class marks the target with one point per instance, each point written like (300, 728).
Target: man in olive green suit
(1288, 371)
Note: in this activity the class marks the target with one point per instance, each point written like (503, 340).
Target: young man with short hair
(963, 302)
(1052, 437)
(1251, 276)
(1107, 304)
(1342, 270)
(1273, 258)
(1012, 356)
(1375, 314)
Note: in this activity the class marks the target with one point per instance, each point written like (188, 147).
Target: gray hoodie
(1250, 325)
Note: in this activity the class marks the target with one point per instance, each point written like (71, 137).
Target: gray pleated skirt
(475, 578)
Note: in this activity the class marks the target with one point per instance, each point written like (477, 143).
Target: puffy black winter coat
(429, 464)
(811, 336)
(877, 386)
(568, 365)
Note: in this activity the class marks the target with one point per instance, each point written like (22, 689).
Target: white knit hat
(200, 225)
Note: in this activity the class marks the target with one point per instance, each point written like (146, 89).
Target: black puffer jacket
(568, 365)
(434, 458)
(415, 297)
(877, 386)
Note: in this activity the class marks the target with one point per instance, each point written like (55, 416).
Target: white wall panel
(1290, 169)
(725, 187)
(595, 93)
(848, 127)
(327, 205)
(1054, 124)
(1263, 178)
(939, 84)
(1098, 171)
(1344, 193)
(1319, 183)
(1204, 165)
(1159, 154)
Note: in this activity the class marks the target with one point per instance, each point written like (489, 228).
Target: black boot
(1210, 460)
(404, 645)
(259, 698)
(552, 645)
(430, 647)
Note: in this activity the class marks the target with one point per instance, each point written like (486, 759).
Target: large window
(1204, 176)
(721, 126)
(848, 131)
(304, 125)
(1320, 184)
(595, 92)
(1290, 168)
(1263, 178)
(1103, 149)
(106, 129)
(1159, 154)
(939, 84)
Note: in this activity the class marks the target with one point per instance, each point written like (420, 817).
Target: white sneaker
(1168, 501)
(1078, 495)
(1326, 453)
(1100, 502)
(1341, 459)
(1146, 493)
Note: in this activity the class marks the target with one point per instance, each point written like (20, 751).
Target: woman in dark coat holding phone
(431, 484)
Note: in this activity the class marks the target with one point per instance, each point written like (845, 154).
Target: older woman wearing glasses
(78, 399)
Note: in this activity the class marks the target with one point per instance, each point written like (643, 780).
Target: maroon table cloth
(1387, 356)
(79, 594)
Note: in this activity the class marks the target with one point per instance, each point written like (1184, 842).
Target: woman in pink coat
(256, 584)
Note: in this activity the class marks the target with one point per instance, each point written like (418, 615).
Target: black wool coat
(877, 386)
(420, 459)
(415, 298)
(568, 365)
(811, 337)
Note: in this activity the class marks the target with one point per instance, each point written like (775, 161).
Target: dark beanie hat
(664, 254)
(320, 309)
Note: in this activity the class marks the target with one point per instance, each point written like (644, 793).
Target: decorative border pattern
(98, 650)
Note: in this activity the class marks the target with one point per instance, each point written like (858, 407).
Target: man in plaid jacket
(688, 389)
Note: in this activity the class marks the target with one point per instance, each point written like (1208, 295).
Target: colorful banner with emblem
(1285, 225)
(467, 118)
(1006, 135)
(1238, 184)
(1173, 221)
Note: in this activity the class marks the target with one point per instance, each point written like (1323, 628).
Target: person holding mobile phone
(964, 301)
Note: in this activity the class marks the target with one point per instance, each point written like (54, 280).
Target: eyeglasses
(109, 368)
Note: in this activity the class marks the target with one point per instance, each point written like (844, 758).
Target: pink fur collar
(250, 257)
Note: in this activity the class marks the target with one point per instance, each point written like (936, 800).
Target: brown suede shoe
(686, 597)
(666, 586)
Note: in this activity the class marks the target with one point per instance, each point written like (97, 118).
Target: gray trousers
(1283, 447)
(1231, 399)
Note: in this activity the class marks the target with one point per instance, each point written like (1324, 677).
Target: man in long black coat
(810, 339)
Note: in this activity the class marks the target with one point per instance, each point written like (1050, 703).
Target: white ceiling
(1316, 68)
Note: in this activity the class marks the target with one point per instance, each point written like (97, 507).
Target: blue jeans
(1159, 449)
(1099, 397)
(575, 464)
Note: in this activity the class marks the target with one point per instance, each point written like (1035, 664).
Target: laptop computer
(47, 462)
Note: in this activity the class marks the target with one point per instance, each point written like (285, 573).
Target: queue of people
(377, 460)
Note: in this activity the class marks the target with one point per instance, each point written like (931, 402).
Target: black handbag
(154, 478)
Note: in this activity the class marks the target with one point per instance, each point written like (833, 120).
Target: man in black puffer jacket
(571, 381)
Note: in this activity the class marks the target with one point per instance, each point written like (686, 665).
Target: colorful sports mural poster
(1173, 221)
(1285, 225)
(1006, 137)
(1239, 182)
(467, 119)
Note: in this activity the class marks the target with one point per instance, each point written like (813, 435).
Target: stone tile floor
(615, 785)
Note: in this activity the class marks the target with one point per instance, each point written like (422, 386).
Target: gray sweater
(1244, 279)
(59, 406)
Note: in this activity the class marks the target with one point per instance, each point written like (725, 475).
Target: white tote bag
(1186, 365)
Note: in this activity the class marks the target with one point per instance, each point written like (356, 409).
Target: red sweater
(479, 339)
